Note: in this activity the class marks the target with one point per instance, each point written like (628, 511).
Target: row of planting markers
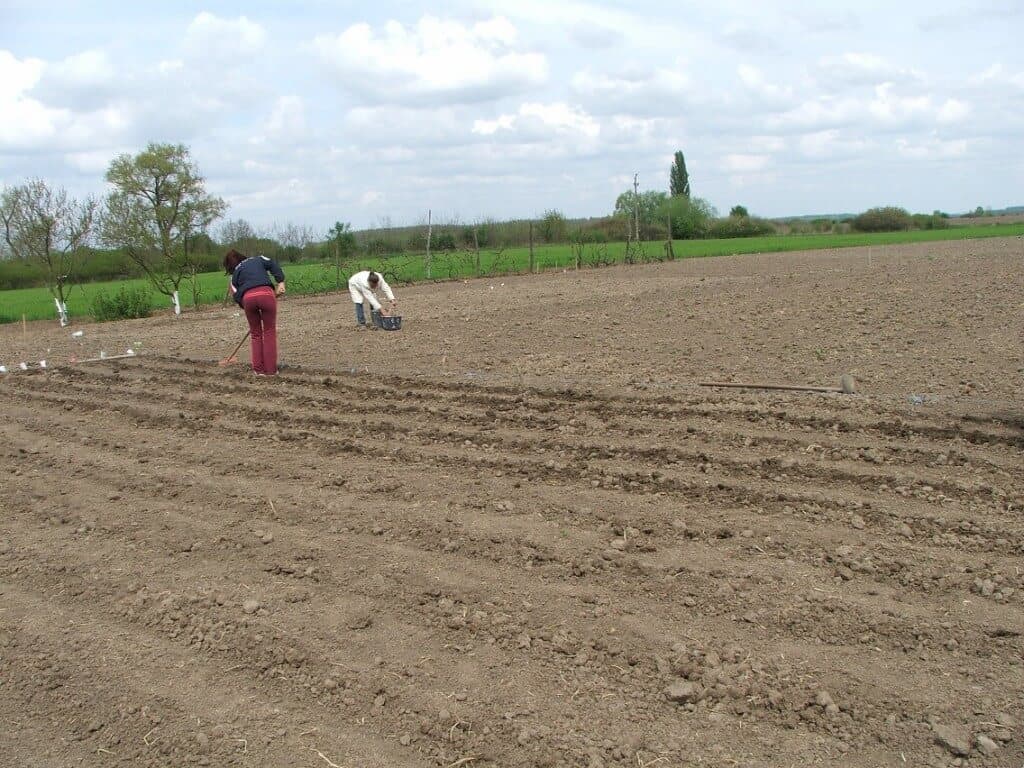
(41, 365)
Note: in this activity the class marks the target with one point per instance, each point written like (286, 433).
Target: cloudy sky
(310, 111)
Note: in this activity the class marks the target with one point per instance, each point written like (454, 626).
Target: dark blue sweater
(252, 273)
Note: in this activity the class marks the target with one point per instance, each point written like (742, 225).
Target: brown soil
(517, 533)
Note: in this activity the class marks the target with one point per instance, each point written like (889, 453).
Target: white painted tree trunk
(176, 302)
(62, 312)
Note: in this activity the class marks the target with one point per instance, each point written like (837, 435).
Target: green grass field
(37, 304)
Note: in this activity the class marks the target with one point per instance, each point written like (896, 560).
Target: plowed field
(517, 534)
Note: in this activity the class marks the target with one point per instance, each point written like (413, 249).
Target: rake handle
(239, 345)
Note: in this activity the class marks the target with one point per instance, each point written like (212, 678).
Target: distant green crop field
(37, 304)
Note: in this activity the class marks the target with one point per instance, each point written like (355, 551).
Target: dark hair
(373, 278)
(232, 259)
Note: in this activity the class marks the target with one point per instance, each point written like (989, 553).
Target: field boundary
(312, 278)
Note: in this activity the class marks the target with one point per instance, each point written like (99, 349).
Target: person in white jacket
(363, 287)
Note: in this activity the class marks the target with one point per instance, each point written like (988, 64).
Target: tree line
(157, 222)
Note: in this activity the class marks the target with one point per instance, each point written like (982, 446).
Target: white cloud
(633, 90)
(996, 74)
(27, 123)
(436, 61)
(212, 37)
(953, 111)
(170, 66)
(287, 119)
(831, 144)
(932, 148)
(81, 82)
(84, 70)
(95, 162)
(859, 68)
(571, 14)
(743, 164)
(18, 75)
(765, 93)
(558, 118)
(890, 107)
(745, 38)
(562, 117)
(593, 36)
(490, 127)
(504, 107)
(819, 113)
(769, 144)
(386, 125)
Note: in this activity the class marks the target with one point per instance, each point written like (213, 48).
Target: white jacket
(359, 287)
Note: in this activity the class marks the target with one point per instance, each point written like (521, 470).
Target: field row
(498, 575)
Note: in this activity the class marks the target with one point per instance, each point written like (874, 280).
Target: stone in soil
(826, 702)
(952, 739)
(250, 606)
(985, 745)
(684, 692)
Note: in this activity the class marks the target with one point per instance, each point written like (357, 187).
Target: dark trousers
(361, 315)
(260, 307)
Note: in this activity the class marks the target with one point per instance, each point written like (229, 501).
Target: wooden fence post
(476, 248)
(428, 243)
(532, 262)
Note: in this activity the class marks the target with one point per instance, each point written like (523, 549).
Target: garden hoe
(233, 357)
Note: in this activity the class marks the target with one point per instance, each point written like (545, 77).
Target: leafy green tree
(554, 227)
(158, 207)
(679, 178)
(45, 226)
(341, 243)
(342, 239)
(691, 217)
(649, 204)
(739, 212)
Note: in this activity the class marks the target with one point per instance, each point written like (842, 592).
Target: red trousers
(260, 307)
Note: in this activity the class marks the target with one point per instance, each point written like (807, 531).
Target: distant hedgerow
(882, 220)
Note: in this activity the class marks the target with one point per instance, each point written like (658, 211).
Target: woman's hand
(280, 289)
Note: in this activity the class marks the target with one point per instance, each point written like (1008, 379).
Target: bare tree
(295, 239)
(44, 225)
(237, 233)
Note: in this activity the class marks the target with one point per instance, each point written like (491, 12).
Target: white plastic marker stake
(77, 334)
(102, 354)
(177, 304)
(130, 352)
(3, 369)
(42, 363)
(23, 366)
